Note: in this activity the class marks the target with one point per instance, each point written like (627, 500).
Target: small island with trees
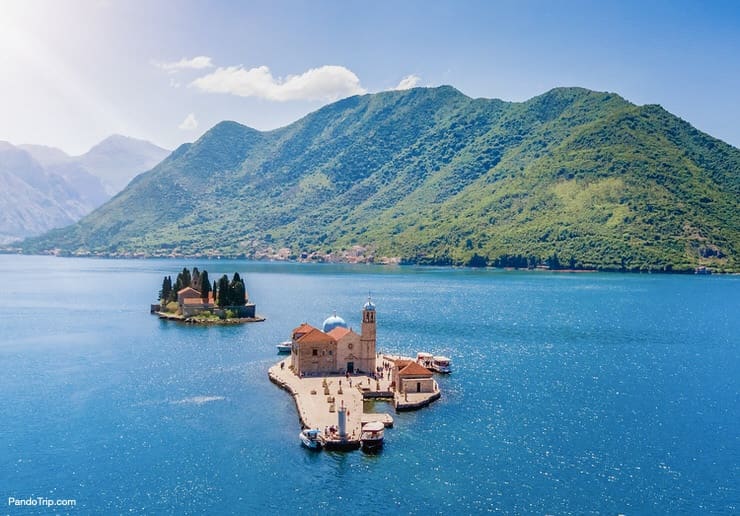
(192, 298)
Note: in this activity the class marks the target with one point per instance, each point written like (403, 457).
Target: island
(332, 371)
(193, 299)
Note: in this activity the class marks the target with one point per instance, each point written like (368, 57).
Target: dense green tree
(238, 293)
(477, 261)
(165, 294)
(224, 293)
(178, 283)
(184, 279)
(205, 284)
(553, 262)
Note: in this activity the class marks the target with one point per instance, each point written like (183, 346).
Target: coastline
(208, 322)
(388, 262)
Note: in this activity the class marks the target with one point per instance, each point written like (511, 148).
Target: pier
(319, 399)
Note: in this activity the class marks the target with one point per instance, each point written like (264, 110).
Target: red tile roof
(303, 328)
(402, 362)
(315, 337)
(339, 332)
(190, 291)
(414, 369)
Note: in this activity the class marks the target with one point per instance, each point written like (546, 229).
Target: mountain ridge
(429, 175)
(43, 187)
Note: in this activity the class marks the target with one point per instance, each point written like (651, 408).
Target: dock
(319, 399)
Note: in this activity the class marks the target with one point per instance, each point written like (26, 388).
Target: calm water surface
(572, 394)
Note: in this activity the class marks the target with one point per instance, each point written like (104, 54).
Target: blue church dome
(369, 305)
(332, 322)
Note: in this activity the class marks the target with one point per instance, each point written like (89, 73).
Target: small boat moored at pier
(285, 347)
(441, 364)
(311, 438)
(372, 435)
(424, 359)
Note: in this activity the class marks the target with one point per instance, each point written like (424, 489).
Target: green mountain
(432, 176)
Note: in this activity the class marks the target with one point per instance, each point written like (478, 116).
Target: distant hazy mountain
(573, 177)
(43, 188)
(118, 159)
(46, 155)
(34, 200)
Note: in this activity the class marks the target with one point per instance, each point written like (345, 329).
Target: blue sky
(76, 71)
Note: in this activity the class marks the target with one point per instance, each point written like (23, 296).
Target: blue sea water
(571, 393)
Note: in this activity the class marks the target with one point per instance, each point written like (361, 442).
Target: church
(335, 348)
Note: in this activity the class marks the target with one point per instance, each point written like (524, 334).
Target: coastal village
(331, 371)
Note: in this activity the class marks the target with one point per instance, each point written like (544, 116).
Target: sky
(73, 72)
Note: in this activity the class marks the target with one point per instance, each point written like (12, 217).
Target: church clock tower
(367, 338)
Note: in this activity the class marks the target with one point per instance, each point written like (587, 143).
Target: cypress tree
(238, 294)
(164, 293)
(186, 278)
(205, 285)
(178, 283)
(168, 292)
(224, 297)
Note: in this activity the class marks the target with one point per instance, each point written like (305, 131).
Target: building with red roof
(336, 348)
(409, 376)
(190, 302)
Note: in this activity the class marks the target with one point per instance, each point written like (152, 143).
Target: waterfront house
(408, 377)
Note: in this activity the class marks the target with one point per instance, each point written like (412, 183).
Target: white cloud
(189, 123)
(196, 63)
(327, 82)
(408, 82)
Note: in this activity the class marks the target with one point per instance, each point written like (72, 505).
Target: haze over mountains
(431, 176)
(43, 187)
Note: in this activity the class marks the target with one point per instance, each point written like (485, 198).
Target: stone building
(190, 302)
(410, 377)
(336, 348)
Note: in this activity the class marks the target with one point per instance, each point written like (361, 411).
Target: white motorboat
(311, 438)
(424, 359)
(372, 435)
(285, 347)
(441, 364)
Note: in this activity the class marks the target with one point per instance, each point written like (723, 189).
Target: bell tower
(367, 337)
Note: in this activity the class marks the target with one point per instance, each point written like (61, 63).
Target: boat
(311, 438)
(285, 347)
(372, 435)
(424, 359)
(441, 364)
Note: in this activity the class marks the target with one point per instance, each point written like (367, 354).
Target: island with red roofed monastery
(331, 371)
